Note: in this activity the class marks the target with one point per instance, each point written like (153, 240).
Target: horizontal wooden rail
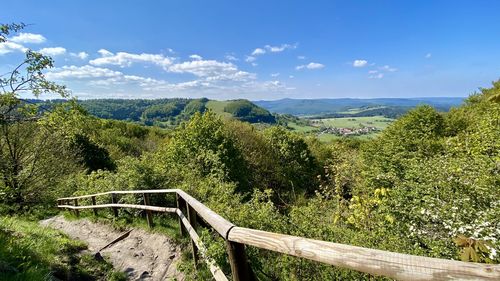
(371, 261)
(131, 206)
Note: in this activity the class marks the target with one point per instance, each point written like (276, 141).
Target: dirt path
(142, 255)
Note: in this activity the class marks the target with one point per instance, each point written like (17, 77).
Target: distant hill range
(170, 112)
(390, 107)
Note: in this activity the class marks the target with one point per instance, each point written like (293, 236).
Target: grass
(29, 251)
(301, 128)
(379, 122)
(218, 107)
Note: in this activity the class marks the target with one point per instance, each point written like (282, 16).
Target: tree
(30, 156)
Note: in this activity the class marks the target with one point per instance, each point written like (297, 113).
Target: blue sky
(261, 49)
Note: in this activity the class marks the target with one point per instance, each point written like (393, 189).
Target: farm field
(379, 122)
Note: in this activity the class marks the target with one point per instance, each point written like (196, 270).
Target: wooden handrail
(376, 262)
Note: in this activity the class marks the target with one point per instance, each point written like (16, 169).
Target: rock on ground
(142, 255)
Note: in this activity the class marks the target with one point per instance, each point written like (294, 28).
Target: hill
(329, 106)
(170, 112)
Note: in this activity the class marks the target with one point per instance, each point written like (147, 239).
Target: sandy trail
(142, 255)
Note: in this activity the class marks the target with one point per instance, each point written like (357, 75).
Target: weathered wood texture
(192, 222)
(149, 215)
(180, 205)
(114, 201)
(214, 269)
(220, 224)
(94, 203)
(240, 268)
(375, 262)
(131, 206)
(371, 261)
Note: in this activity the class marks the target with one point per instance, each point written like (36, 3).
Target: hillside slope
(325, 106)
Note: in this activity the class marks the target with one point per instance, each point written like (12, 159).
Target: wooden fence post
(113, 201)
(93, 203)
(180, 203)
(240, 268)
(77, 212)
(192, 222)
(149, 216)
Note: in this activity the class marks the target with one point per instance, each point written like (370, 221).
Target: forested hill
(171, 112)
(332, 106)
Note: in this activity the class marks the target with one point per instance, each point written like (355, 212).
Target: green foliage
(245, 110)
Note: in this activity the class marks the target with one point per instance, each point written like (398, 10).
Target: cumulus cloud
(281, 48)
(80, 55)
(81, 72)
(28, 38)
(301, 57)
(211, 70)
(275, 74)
(105, 53)
(311, 65)
(8, 47)
(53, 51)
(195, 57)
(258, 51)
(124, 59)
(360, 63)
(428, 55)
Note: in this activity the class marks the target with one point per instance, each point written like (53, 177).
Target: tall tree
(27, 150)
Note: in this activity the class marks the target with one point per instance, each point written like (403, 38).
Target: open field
(218, 107)
(301, 128)
(379, 122)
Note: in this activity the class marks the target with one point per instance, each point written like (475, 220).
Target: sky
(260, 50)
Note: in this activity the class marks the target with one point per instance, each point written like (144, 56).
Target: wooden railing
(376, 262)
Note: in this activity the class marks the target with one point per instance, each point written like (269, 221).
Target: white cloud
(291, 76)
(311, 65)
(278, 49)
(359, 63)
(124, 59)
(258, 51)
(81, 55)
(275, 74)
(376, 76)
(388, 68)
(428, 55)
(81, 72)
(231, 58)
(250, 59)
(372, 71)
(105, 53)
(212, 70)
(195, 57)
(53, 51)
(301, 57)
(8, 47)
(28, 38)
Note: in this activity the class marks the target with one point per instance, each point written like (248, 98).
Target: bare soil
(142, 255)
